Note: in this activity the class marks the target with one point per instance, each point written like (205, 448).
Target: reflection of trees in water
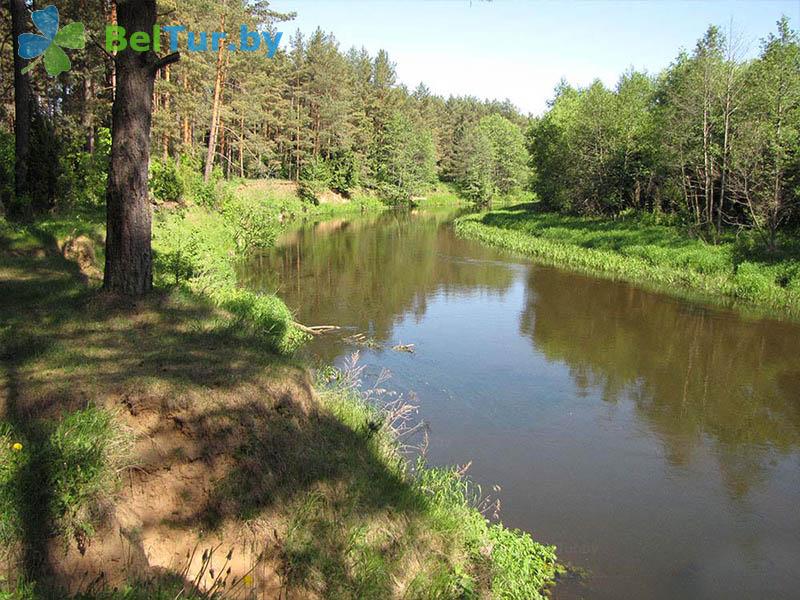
(691, 373)
(369, 272)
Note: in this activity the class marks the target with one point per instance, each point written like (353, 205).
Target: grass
(219, 438)
(646, 252)
(441, 195)
(57, 471)
(282, 196)
(198, 249)
(434, 543)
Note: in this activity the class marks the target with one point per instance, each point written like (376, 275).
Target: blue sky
(520, 49)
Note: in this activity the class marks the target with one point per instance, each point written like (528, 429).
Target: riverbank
(641, 252)
(137, 438)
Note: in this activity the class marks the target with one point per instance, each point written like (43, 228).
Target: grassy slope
(217, 439)
(282, 194)
(647, 253)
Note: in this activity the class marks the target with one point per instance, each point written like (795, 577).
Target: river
(654, 440)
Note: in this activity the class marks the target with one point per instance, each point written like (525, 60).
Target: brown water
(654, 440)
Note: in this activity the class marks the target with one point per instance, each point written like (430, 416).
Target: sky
(520, 49)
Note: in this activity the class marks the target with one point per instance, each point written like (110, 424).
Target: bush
(253, 224)
(199, 249)
(195, 189)
(314, 180)
(344, 171)
(165, 182)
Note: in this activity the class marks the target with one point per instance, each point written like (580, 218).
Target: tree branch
(166, 61)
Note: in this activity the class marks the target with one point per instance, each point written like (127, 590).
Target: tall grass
(57, 472)
(456, 546)
(198, 248)
(638, 251)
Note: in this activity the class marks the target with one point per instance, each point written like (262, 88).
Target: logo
(141, 41)
(50, 42)
(49, 45)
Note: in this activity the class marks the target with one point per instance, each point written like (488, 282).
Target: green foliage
(491, 160)
(6, 167)
(195, 188)
(634, 250)
(314, 180)
(509, 156)
(521, 567)
(404, 160)
(200, 248)
(264, 314)
(475, 175)
(58, 471)
(84, 175)
(449, 504)
(344, 169)
(711, 141)
(165, 182)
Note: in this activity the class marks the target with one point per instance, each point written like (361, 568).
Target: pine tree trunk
(215, 108)
(112, 19)
(129, 260)
(167, 105)
(23, 110)
(187, 132)
(87, 118)
(241, 147)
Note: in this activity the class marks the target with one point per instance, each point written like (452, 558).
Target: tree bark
(215, 108)
(87, 118)
(129, 260)
(23, 111)
(187, 132)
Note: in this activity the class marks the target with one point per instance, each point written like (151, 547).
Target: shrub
(344, 169)
(199, 249)
(6, 168)
(314, 180)
(165, 182)
(253, 224)
(195, 188)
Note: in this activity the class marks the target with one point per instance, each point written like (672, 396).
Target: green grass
(57, 472)
(281, 197)
(639, 251)
(440, 544)
(441, 195)
(198, 248)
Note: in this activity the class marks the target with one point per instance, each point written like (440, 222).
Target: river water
(654, 440)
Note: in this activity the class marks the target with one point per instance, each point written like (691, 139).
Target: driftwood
(404, 348)
(316, 329)
(360, 339)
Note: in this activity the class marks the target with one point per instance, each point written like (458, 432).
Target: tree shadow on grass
(245, 420)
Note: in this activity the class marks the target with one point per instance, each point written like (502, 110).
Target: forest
(711, 140)
(316, 113)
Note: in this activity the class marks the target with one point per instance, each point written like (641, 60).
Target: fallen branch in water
(404, 348)
(360, 339)
(317, 329)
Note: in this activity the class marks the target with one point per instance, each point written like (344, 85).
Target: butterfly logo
(49, 44)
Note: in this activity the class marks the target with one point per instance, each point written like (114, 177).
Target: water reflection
(368, 272)
(693, 374)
